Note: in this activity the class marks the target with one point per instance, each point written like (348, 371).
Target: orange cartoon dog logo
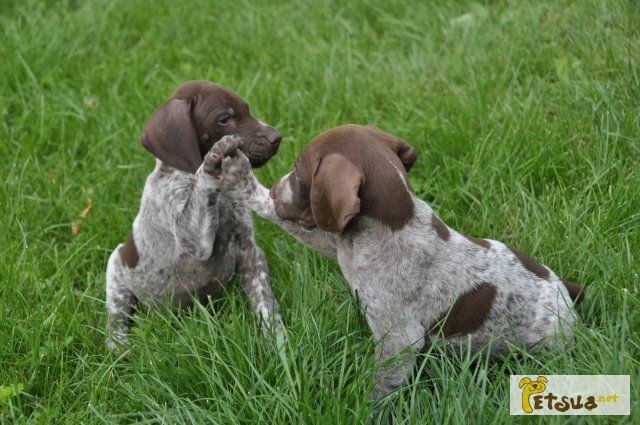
(531, 387)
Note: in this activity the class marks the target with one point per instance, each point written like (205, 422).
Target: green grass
(527, 119)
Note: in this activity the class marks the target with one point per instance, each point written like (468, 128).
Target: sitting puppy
(415, 277)
(188, 239)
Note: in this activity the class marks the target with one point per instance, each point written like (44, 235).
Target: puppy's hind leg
(120, 304)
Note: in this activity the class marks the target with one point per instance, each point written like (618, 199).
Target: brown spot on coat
(441, 229)
(469, 312)
(129, 253)
(530, 264)
(575, 291)
(480, 242)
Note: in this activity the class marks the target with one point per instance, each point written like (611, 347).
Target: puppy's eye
(224, 119)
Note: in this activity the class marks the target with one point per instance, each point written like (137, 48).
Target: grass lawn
(526, 116)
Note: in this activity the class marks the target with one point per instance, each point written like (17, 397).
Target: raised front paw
(228, 145)
(230, 167)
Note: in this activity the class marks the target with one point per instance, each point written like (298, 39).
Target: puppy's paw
(236, 173)
(225, 147)
(118, 347)
(277, 333)
(281, 341)
(232, 173)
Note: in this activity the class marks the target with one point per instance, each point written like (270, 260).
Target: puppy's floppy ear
(542, 379)
(407, 154)
(524, 381)
(334, 192)
(171, 136)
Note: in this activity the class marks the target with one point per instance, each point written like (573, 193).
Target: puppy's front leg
(262, 204)
(191, 203)
(229, 167)
(254, 274)
(240, 183)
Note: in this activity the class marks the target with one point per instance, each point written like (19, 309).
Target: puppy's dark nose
(274, 137)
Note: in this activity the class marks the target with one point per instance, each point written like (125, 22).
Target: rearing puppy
(188, 238)
(415, 277)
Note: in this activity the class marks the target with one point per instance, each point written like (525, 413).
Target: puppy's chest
(221, 264)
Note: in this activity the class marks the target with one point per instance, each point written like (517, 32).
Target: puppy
(188, 239)
(416, 278)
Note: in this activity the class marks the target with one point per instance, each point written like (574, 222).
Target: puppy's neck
(416, 239)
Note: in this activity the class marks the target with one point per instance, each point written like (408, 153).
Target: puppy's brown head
(348, 171)
(198, 114)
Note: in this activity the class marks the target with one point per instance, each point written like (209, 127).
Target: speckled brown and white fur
(188, 238)
(424, 280)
